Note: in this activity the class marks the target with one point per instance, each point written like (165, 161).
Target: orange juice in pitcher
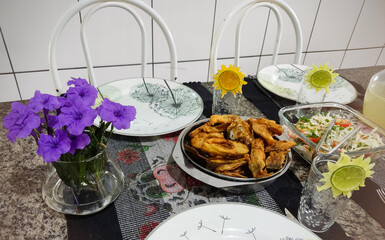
(374, 101)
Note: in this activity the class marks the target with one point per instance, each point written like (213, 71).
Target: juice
(374, 103)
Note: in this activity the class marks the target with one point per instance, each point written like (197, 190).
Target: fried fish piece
(257, 156)
(231, 166)
(199, 138)
(195, 155)
(208, 128)
(226, 119)
(241, 131)
(275, 160)
(256, 159)
(280, 145)
(252, 167)
(273, 127)
(216, 161)
(223, 147)
(262, 130)
(232, 174)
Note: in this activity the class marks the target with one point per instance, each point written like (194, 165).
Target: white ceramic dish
(284, 80)
(229, 221)
(157, 112)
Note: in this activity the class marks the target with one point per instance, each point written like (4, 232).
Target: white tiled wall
(344, 33)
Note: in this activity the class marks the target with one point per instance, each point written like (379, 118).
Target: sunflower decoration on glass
(320, 77)
(229, 80)
(347, 175)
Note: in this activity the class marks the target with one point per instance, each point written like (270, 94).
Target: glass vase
(84, 187)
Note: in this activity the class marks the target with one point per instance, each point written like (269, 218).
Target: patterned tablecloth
(157, 188)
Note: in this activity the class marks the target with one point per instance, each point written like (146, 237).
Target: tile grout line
(311, 33)
(183, 61)
(379, 56)
(10, 63)
(351, 35)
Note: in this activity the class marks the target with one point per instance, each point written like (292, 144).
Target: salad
(314, 127)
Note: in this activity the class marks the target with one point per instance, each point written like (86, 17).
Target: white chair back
(244, 9)
(97, 5)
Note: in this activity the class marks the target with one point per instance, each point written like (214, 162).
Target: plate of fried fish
(235, 148)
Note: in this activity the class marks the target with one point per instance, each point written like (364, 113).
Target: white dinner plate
(229, 221)
(285, 80)
(157, 110)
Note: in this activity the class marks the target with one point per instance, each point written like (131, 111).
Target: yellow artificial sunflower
(346, 175)
(321, 77)
(229, 80)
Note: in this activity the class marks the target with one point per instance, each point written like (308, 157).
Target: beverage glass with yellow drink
(374, 101)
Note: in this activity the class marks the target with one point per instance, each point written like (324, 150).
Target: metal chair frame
(99, 4)
(245, 8)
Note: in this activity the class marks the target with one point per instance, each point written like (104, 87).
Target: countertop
(26, 216)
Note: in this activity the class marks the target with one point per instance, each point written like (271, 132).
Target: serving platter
(161, 106)
(185, 140)
(285, 80)
(229, 221)
(219, 182)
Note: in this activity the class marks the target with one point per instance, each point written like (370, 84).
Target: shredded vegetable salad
(315, 126)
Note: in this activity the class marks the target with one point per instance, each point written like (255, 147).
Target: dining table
(147, 200)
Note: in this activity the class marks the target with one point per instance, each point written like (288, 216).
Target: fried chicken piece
(281, 145)
(273, 127)
(262, 130)
(241, 131)
(275, 160)
(231, 166)
(226, 119)
(199, 138)
(223, 147)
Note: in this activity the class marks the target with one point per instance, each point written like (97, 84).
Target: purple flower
(82, 90)
(120, 116)
(53, 121)
(78, 82)
(76, 117)
(20, 121)
(79, 142)
(51, 148)
(43, 101)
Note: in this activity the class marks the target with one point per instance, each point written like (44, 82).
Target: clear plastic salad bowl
(290, 115)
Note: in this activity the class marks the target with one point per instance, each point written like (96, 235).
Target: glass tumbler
(318, 210)
(227, 105)
(307, 94)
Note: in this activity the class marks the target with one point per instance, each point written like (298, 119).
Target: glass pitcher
(374, 101)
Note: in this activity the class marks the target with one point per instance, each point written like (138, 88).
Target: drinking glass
(374, 101)
(309, 95)
(229, 104)
(318, 210)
